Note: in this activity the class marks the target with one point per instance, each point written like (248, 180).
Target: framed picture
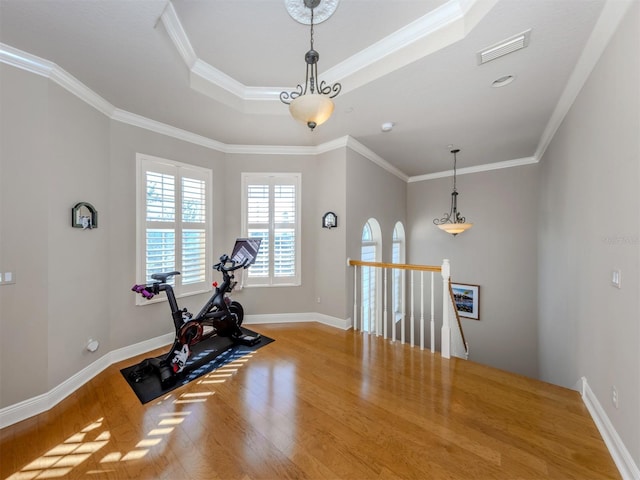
(467, 299)
(84, 216)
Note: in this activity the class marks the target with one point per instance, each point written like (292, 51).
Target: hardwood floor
(317, 403)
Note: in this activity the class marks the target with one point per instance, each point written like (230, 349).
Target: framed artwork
(84, 216)
(329, 220)
(467, 299)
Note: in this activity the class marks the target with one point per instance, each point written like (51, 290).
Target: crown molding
(606, 26)
(31, 63)
(357, 147)
(178, 36)
(162, 128)
(475, 169)
(437, 29)
(25, 61)
(434, 31)
(39, 66)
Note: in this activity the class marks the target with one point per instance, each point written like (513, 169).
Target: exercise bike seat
(163, 277)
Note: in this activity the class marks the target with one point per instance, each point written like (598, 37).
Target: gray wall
(129, 323)
(551, 232)
(589, 226)
(331, 252)
(73, 285)
(270, 300)
(371, 192)
(499, 254)
(54, 153)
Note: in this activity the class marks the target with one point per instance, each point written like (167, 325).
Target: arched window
(371, 252)
(398, 255)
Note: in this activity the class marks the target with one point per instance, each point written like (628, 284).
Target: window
(397, 256)
(371, 279)
(271, 211)
(174, 223)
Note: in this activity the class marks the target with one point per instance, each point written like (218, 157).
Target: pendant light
(312, 103)
(453, 222)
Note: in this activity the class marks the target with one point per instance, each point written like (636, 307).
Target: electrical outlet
(614, 396)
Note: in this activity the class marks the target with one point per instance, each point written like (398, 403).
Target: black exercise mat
(206, 356)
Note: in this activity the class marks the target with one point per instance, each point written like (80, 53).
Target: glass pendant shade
(311, 109)
(455, 228)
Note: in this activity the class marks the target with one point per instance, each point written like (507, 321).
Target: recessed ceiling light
(387, 126)
(503, 81)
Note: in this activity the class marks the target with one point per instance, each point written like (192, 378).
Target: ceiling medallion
(300, 10)
(311, 103)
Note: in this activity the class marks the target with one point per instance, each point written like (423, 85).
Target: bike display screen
(246, 250)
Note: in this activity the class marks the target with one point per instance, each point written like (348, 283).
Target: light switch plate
(615, 278)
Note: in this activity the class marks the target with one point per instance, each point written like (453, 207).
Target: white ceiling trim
(518, 162)
(45, 68)
(177, 35)
(162, 128)
(33, 64)
(357, 147)
(607, 24)
(445, 25)
(434, 31)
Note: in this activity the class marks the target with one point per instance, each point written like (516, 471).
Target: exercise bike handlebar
(150, 290)
(224, 259)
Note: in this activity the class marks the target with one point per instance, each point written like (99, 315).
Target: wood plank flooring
(318, 403)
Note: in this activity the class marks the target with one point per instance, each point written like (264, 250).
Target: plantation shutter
(176, 223)
(160, 218)
(271, 204)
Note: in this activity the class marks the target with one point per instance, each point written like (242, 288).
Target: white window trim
(376, 242)
(144, 163)
(248, 178)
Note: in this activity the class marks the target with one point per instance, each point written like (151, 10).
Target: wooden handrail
(455, 309)
(448, 302)
(399, 266)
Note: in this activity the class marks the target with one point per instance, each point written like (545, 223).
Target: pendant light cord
(312, 29)
(455, 160)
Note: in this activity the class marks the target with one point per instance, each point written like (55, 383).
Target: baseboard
(33, 406)
(621, 456)
(343, 324)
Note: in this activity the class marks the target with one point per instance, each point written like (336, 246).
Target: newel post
(446, 302)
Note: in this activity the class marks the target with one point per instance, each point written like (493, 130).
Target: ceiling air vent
(504, 47)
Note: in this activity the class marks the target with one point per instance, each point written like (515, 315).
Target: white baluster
(372, 301)
(386, 304)
(446, 328)
(433, 323)
(393, 322)
(355, 297)
(421, 310)
(412, 310)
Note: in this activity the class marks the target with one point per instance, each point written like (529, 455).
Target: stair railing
(452, 337)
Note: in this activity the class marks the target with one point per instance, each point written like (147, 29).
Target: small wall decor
(84, 216)
(467, 299)
(329, 220)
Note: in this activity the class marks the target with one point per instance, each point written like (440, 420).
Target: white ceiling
(215, 67)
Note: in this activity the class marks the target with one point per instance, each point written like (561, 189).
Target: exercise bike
(219, 316)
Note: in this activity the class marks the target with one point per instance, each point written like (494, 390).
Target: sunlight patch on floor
(63, 458)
